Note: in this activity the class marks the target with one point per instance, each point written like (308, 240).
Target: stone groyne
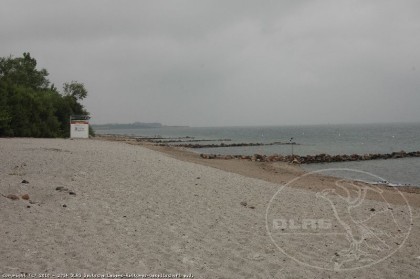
(312, 159)
(193, 140)
(196, 145)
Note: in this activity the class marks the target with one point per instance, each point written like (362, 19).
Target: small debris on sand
(12, 197)
(25, 197)
(244, 203)
(25, 181)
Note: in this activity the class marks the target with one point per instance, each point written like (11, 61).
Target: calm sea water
(315, 139)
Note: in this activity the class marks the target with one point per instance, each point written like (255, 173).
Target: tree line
(31, 106)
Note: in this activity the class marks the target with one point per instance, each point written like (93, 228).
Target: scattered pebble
(64, 205)
(198, 177)
(12, 197)
(72, 193)
(28, 206)
(25, 197)
(25, 181)
(372, 209)
(257, 257)
(244, 203)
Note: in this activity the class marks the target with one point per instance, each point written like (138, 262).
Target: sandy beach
(106, 207)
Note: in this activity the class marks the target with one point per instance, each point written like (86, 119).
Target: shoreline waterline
(365, 140)
(275, 172)
(308, 163)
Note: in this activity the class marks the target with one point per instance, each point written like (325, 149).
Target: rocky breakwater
(312, 159)
(197, 145)
(193, 140)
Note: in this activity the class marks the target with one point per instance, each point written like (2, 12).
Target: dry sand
(139, 211)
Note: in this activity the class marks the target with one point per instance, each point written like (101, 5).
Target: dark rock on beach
(61, 189)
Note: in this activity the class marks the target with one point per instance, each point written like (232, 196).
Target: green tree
(75, 89)
(22, 71)
(30, 106)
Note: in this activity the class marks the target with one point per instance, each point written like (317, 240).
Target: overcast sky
(227, 63)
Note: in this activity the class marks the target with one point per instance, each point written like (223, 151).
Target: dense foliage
(30, 106)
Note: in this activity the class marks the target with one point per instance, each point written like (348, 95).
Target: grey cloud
(227, 62)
